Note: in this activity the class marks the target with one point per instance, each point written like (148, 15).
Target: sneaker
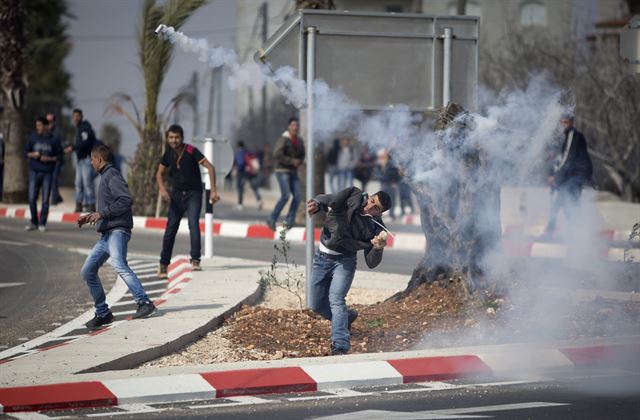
(144, 310)
(78, 208)
(162, 271)
(42, 228)
(239, 207)
(99, 321)
(29, 228)
(271, 224)
(353, 315)
(195, 265)
(90, 208)
(336, 351)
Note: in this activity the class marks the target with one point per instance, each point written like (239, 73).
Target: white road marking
(2, 285)
(14, 243)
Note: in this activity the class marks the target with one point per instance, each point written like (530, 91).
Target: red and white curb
(517, 239)
(179, 275)
(303, 378)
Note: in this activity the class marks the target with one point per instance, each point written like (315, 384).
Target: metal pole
(208, 215)
(311, 44)
(446, 71)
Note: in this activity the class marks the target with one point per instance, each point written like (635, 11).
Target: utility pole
(212, 91)
(263, 115)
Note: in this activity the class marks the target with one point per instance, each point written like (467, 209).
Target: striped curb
(515, 242)
(179, 275)
(303, 378)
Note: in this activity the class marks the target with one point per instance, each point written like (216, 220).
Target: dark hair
(175, 128)
(103, 151)
(240, 144)
(292, 119)
(78, 110)
(385, 200)
(43, 120)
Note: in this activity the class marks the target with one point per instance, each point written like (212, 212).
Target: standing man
(288, 155)
(353, 223)
(572, 172)
(185, 196)
(43, 151)
(54, 130)
(114, 222)
(84, 142)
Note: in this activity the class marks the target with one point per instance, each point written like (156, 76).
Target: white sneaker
(239, 207)
(29, 228)
(42, 228)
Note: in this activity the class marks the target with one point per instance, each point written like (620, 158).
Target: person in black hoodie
(84, 142)
(114, 221)
(353, 223)
(43, 150)
(572, 172)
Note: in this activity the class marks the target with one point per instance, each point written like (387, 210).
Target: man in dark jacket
(573, 171)
(353, 223)
(84, 142)
(288, 155)
(43, 150)
(114, 221)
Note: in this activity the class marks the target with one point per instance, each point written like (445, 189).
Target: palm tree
(13, 45)
(155, 57)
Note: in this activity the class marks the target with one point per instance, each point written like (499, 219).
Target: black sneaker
(271, 224)
(99, 321)
(353, 315)
(144, 310)
(336, 351)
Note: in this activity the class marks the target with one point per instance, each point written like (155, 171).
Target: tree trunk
(13, 45)
(142, 180)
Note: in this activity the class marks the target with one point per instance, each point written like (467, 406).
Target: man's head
(175, 136)
(100, 156)
(377, 204)
(51, 119)
(41, 125)
(76, 116)
(293, 126)
(566, 120)
(240, 144)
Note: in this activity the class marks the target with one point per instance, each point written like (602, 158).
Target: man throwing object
(353, 223)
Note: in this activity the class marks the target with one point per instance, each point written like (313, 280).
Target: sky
(104, 61)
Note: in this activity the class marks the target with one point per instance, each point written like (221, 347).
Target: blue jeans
(85, 193)
(181, 202)
(345, 179)
(567, 198)
(111, 244)
(242, 177)
(330, 282)
(38, 180)
(289, 185)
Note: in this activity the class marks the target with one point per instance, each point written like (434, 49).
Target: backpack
(251, 164)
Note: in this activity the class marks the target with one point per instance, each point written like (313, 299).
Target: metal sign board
(380, 60)
(630, 43)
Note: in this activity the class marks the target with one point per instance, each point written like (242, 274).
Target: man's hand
(165, 195)
(214, 197)
(297, 162)
(380, 241)
(90, 218)
(68, 149)
(312, 207)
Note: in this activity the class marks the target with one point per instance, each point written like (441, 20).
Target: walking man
(114, 222)
(84, 142)
(353, 223)
(289, 155)
(185, 196)
(247, 169)
(43, 151)
(573, 171)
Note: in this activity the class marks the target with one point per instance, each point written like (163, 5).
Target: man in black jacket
(572, 172)
(114, 222)
(353, 223)
(84, 142)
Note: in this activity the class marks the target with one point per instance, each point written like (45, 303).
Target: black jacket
(85, 139)
(575, 162)
(114, 200)
(346, 230)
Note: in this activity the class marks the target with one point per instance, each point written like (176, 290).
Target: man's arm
(160, 181)
(373, 255)
(211, 170)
